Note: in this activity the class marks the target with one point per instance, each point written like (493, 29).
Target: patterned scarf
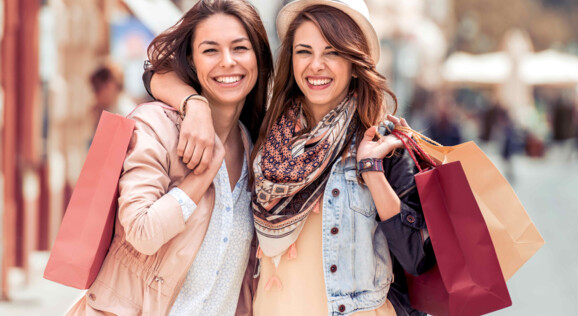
(291, 170)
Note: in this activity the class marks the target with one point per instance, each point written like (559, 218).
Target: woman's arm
(149, 214)
(195, 144)
(384, 197)
(406, 232)
(397, 202)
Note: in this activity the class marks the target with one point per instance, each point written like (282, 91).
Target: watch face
(367, 164)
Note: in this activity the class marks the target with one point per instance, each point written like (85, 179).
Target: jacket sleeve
(407, 233)
(150, 217)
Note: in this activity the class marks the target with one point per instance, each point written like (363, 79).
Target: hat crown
(357, 5)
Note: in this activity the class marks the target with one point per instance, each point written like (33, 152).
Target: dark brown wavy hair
(341, 32)
(172, 51)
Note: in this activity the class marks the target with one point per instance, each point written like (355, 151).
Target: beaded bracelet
(194, 96)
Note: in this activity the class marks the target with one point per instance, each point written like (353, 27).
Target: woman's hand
(195, 185)
(368, 148)
(197, 137)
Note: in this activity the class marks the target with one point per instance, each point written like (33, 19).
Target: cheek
(254, 64)
(296, 66)
(197, 63)
(345, 72)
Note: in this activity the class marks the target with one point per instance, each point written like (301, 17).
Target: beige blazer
(153, 247)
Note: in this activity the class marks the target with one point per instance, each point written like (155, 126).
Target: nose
(318, 63)
(228, 59)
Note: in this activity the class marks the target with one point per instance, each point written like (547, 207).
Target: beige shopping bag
(513, 233)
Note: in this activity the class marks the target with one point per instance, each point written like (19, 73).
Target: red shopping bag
(87, 227)
(468, 279)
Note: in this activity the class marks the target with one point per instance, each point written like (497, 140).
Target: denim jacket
(360, 251)
(356, 260)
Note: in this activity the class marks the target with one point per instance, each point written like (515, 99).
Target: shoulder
(155, 116)
(154, 111)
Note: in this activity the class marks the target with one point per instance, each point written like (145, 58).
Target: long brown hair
(172, 51)
(341, 32)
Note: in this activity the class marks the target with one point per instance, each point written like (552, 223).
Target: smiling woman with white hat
(324, 235)
(355, 9)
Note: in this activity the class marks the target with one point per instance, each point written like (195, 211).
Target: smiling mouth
(228, 79)
(319, 82)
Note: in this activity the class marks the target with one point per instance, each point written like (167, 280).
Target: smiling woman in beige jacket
(182, 240)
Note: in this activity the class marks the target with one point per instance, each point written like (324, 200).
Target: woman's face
(224, 59)
(320, 72)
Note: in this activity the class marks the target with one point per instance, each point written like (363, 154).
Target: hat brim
(288, 13)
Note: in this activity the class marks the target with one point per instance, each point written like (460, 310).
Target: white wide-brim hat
(355, 9)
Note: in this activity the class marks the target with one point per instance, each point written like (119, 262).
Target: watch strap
(369, 164)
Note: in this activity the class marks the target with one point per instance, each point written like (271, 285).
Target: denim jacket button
(410, 219)
(335, 192)
(333, 268)
(341, 308)
(334, 230)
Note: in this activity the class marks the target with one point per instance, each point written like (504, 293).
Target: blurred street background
(501, 73)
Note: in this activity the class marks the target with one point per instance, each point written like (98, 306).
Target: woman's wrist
(369, 164)
(193, 101)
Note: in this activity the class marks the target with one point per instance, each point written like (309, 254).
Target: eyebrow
(240, 39)
(309, 46)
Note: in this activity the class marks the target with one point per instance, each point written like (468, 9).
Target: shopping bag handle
(413, 147)
(417, 136)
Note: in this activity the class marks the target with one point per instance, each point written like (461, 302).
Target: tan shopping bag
(513, 233)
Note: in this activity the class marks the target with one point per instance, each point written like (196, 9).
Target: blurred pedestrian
(107, 85)
(445, 128)
(182, 241)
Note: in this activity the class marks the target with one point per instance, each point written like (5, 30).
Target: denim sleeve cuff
(187, 205)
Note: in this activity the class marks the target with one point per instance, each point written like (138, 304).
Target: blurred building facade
(43, 115)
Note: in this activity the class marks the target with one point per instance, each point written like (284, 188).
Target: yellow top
(303, 285)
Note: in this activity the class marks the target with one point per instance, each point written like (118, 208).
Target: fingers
(186, 145)
(404, 122)
(206, 157)
(370, 133)
(393, 119)
(195, 150)
(196, 138)
(181, 146)
(196, 155)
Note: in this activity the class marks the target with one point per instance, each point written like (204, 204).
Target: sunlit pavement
(41, 297)
(546, 286)
(548, 188)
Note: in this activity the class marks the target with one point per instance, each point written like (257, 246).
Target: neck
(319, 111)
(225, 119)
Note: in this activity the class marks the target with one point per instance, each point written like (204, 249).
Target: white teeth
(231, 79)
(319, 82)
